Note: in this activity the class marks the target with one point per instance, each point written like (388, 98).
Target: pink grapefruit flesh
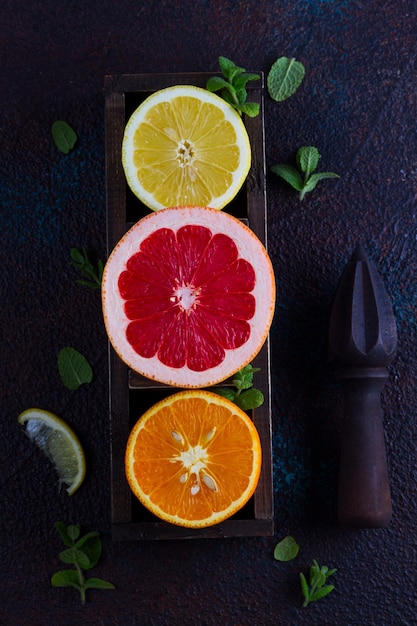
(188, 296)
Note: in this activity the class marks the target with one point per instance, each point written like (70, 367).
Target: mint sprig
(303, 178)
(83, 552)
(316, 588)
(245, 395)
(81, 262)
(232, 87)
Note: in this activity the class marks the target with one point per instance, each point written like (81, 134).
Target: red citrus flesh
(188, 296)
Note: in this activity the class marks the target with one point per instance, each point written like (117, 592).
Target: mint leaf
(290, 174)
(225, 392)
(74, 368)
(317, 579)
(62, 529)
(284, 78)
(243, 379)
(307, 158)
(91, 546)
(321, 176)
(65, 578)
(286, 550)
(250, 399)
(73, 531)
(321, 593)
(98, 583)
(216, 83)
(228, 68)
(72, 556)
(251, 109)
(314, 179)
(304, 586)
(240, 81)
(64, 136)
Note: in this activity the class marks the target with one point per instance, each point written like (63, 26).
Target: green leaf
(72, 556)
(307, 159)
(98, 583)
(66, 578)
(64, 136)
(87, 537)
(287, 549)
(74, 368)
(321, 593)
(229, 98)
(304, 586)
(241, 95)
(225, 392)
(251, 109)
(91, 546)
(73, 531)
(313, 180)
(241, 81)
(284, 78)
(62, 529)
(321, 176)
(216, 83)
(243, 379)
(250, 399)
(317, 579)
(229, 69)
(290, 174)
(77, 256)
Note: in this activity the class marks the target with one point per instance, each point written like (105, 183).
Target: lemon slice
(58, 442)
(185, 146)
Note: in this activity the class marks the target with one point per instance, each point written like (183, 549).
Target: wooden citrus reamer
(362, 342)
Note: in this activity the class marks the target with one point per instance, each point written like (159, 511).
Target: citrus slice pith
(185, 146)
(59, 443)
(193, 459)
(188, 296)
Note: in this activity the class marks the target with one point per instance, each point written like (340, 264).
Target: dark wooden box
(131, 394)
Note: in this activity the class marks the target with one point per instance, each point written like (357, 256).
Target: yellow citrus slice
(185, 146)
(188, 296)
(59, 443)
(193, 459)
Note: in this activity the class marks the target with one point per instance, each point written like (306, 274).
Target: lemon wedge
(59, 443)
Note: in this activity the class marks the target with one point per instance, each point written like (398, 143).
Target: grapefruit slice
(193, 459)
(188, 296)
(185, 146)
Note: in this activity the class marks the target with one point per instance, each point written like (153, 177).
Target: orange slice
(188, 296)
(193, 459)
(185, 145)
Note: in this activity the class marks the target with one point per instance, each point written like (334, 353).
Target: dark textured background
(358, 106)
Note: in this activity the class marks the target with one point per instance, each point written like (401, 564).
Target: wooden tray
(131, 394)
